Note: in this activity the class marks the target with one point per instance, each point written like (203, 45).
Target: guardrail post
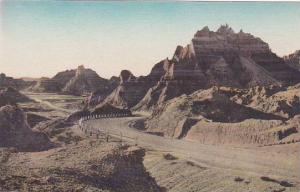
(136, 141)
(107, 136)
(121, 136)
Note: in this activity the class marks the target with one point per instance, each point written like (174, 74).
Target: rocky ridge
(220, 58)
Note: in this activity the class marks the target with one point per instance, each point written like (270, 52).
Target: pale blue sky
(40, 38)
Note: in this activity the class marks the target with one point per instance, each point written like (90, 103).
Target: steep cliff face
(293, 60)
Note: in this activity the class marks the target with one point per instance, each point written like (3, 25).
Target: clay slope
(11, 96)
(15, 131)
(216, 116)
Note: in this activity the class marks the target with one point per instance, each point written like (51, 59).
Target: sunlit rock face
(210, 47)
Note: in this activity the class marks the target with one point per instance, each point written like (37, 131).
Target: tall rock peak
(126, 76)
(225, 29)
(80, 70)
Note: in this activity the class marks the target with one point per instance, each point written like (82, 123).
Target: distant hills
(76, 82)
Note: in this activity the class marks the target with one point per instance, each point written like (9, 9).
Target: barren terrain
(172, 164)
(222, 164)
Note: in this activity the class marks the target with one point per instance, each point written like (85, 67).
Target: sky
(41, 38)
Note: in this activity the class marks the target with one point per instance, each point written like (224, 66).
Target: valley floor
(176, 165)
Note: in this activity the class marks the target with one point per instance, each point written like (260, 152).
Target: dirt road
(255, 160)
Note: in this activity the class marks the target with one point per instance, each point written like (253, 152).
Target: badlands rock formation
(130, 90)
(18, 84)
(15, 131)
(221, 58)
(77, 82)
(98, 96)
(85, 81)
(284, 102)
(221, 116)
(293, 60)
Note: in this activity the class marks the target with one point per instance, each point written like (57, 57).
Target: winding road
(256, 160)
